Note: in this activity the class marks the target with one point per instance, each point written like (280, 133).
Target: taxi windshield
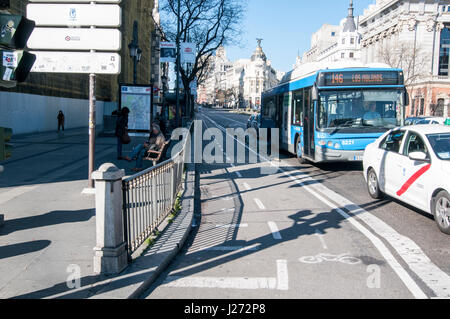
(441, 145)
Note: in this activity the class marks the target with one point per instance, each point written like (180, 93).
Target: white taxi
(412, 164)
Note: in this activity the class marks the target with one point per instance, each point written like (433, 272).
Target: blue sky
(287, 25)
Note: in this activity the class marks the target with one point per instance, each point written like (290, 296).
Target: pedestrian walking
(122, 132)
(61, 119)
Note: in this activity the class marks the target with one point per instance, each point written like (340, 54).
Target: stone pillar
(110, 254)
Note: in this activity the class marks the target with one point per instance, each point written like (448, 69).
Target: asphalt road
(280, 229)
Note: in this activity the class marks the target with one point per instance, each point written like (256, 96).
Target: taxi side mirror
(418, 156)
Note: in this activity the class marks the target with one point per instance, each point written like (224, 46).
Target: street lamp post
(135, 51)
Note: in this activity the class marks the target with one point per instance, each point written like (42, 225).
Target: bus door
(284, 125)
(308, 125)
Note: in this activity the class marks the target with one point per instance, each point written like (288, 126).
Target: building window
(342, 55)
(352, 54)
(333, 34)
(444, 51)
(422, 106)
(413, 106)
(352, 40)
(343, 41)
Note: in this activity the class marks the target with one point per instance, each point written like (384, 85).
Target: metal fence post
(110, 252)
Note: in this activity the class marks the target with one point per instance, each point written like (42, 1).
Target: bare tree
(207, 23)
(412, 59)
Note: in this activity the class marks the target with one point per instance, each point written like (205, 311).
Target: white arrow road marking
(436, 279)
(274, 229)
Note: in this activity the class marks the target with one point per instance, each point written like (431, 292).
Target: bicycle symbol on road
(343, 258)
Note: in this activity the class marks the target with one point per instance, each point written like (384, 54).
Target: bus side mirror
(315, 93)
(406, 98)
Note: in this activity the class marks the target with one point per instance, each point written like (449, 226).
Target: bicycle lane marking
(384, 251)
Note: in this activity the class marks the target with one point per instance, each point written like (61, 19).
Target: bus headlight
(330, 144)
(337, 145)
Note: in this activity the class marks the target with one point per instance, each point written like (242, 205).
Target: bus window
(297, 108)
(270, 109)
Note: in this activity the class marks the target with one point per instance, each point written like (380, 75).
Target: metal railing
(149, 197)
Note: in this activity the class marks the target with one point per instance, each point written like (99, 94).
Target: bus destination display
(356, 78)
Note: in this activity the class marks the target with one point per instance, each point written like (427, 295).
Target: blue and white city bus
(332, 114)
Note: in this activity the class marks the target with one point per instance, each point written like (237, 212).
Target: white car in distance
(412, 164)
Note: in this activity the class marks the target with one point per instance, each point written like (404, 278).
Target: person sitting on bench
(155, 143)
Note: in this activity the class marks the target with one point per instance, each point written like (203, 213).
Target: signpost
(74, 49)
(75, 39)
(76, 62)
(81, 15)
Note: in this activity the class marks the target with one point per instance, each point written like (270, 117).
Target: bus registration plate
(358, 158)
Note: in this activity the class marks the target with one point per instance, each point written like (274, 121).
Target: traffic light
(5, 148)
(16, 63)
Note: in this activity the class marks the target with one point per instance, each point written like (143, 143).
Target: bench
(157, 156)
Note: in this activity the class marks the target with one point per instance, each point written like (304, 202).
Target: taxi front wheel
(440, 207)
(372, 185)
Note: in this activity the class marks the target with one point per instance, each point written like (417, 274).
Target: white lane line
(322, 240)
(232, 226)
(221, 282)
(282, 275)
(229, 248)
(247, 187)
(281, 282)
(259, 203)
(384, 251)
(440, 277)
(274, 229)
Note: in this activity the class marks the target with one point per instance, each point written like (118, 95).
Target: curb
(145, 269)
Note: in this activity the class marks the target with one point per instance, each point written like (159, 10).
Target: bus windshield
(359, 108)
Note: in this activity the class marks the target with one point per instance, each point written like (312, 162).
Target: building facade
(239, 83)
(333, 43)
(413, 35)
(69, 92)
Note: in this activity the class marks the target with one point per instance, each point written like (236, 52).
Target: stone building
(333, 43)
(238, 83)
(55, 90)
(413, 35)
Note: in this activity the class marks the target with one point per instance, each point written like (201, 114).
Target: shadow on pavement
(48, 219)
(23, 248)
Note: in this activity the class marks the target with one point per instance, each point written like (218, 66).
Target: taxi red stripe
(413, 178)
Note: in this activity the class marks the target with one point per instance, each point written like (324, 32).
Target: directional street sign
(81, 1)
(75, 39)
(76, 62)
(99, 15)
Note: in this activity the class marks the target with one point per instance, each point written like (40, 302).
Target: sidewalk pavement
(49, 231)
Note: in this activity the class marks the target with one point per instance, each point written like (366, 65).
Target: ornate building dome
(259, 53)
